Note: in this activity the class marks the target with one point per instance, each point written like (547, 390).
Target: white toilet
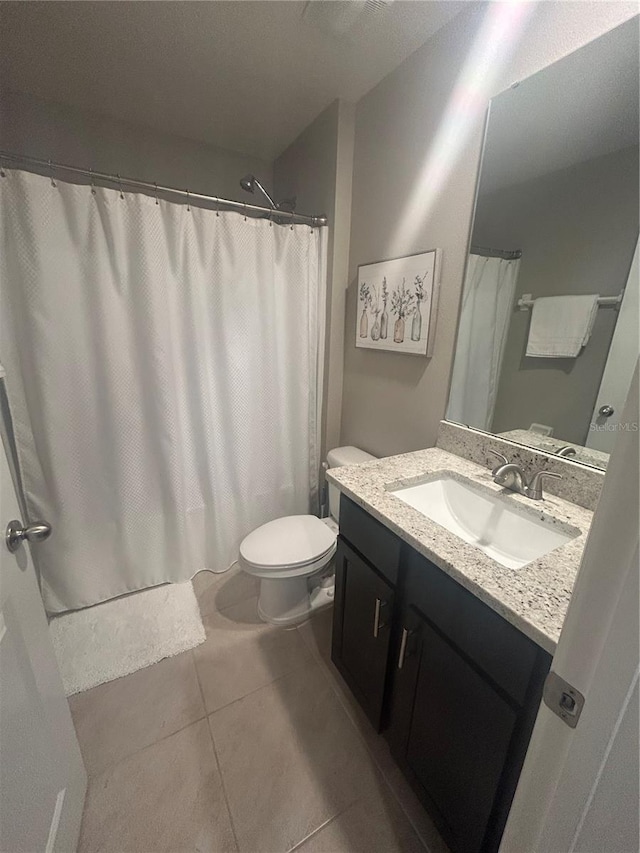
(293, 556)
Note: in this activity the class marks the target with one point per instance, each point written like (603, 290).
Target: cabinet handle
(406, 633)
(377, 624)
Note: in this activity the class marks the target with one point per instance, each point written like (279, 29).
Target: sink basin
(505, 532)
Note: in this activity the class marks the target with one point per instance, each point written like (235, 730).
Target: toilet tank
(335, 459)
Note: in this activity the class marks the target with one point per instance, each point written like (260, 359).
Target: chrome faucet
(511, 476)
(567, 450)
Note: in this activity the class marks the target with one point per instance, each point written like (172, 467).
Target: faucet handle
(503, 460)
(534, 489)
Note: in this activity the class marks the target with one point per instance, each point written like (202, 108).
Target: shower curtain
(163, 370)
(487, 302)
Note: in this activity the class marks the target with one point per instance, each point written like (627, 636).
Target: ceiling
(247, 75)
(581, 107)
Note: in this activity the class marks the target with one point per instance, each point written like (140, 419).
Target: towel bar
(527, 299)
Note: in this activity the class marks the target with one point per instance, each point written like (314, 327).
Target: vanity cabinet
(454, 687)
(456, 737)
(360, 642)
(366, 575)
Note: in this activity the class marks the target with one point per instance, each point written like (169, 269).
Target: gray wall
(47, 130)
(577, 229)
(317, 168)
(392, 403)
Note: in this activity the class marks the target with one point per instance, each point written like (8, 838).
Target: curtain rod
(301, 218)
(505, 254)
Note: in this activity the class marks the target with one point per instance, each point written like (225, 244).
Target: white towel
(561, 325)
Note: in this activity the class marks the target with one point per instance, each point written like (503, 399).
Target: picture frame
(397, 303)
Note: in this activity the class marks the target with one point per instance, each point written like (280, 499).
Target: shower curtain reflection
(487, 302)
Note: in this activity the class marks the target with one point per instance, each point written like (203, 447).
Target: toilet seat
(288, 547)
(294, 556)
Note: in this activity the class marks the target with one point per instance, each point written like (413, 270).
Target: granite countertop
(533, 598)
(550, 444)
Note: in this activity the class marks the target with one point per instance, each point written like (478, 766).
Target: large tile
(219, 591)
(410, 804)
(290, 760)
(373, 824)
(167, 798)
(116, 719)
(242, 654)
(316, 632)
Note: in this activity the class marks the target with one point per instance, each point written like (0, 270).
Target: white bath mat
(121, 636)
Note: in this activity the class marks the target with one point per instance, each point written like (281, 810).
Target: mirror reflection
(548, 329)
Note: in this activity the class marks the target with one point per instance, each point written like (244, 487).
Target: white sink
(505, 532)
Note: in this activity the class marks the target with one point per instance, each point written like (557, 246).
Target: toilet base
(293, 600)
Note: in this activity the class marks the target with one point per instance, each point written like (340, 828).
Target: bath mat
(121, 636)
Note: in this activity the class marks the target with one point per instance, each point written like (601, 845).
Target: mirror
(556, 216)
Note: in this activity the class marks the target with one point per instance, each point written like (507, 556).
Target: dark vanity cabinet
(454, 687)
(365, 598)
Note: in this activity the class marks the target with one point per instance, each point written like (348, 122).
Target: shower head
(249, 184)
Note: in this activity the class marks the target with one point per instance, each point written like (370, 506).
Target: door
(453, 730)
(579, 787)
(42, 781)
(361, 629)
(621, 361)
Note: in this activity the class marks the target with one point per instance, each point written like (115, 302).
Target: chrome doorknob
(605, 411)
(16, 533)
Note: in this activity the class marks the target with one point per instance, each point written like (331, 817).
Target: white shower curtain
(163, 374)
(487, 302)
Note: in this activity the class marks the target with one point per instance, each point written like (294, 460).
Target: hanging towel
(561, 325)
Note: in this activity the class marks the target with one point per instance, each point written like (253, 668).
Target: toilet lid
(287, 542)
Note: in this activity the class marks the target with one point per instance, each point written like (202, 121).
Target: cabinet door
(457, 739)
(361, 628)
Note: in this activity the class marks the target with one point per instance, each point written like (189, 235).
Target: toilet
(293, 556)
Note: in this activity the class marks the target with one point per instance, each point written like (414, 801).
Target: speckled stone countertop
(550, 444)
(533, 598)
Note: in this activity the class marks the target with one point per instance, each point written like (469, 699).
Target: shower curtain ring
(245, 212)
(155, 183)
(188, 205)
(53, 183)
(217, 207)
(120, 184)
(93, 188)
(3, 174)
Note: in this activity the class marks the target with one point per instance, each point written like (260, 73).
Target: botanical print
(365, 299)
(384, 320)
(416, 323)
(401, 305)
(403, 291)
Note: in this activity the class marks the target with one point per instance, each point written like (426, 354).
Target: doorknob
(605, 411)
(16, 533)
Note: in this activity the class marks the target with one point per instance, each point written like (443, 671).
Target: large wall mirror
(556, 216)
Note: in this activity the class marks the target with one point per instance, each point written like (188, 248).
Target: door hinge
(563, 699)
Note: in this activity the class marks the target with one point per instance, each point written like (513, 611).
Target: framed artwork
(397, 303)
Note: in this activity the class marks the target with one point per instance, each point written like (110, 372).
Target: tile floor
(250, 743)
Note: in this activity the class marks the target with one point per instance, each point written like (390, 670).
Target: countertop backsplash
(580, 485)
